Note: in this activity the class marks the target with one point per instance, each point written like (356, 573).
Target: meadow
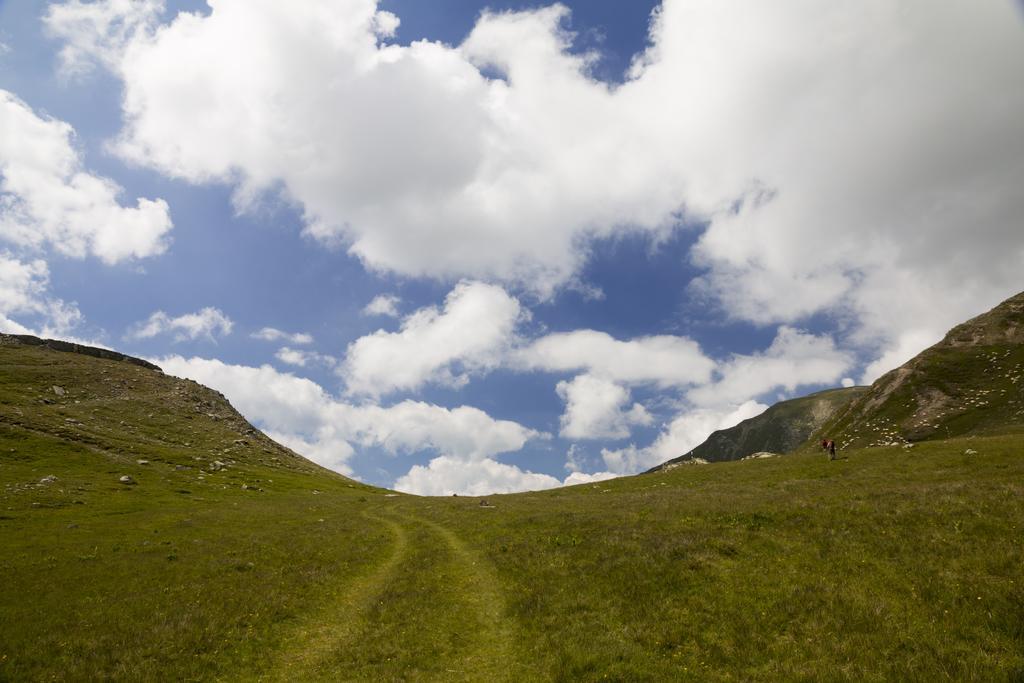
(889, 564)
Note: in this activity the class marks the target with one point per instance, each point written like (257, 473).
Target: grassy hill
(780, 429)
(266, 567)
(971, 382)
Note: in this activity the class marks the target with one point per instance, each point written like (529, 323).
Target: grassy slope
(869, 568)
(780, 429)
(972, 382)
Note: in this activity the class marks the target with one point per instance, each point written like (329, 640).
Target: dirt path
(337, 624)
(491, 657)
(434, 610)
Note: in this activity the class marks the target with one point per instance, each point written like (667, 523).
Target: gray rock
(58, 390)
(141, 462)
(48, 479)
(127, 480)
(761, 455)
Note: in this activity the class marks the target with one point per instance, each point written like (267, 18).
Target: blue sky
(594, 231)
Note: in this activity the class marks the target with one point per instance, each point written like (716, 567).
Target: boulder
(127, 480)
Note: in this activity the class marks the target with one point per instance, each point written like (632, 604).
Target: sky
(469, 247)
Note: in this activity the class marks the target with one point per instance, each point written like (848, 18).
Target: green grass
(950, 392)
(886, 565)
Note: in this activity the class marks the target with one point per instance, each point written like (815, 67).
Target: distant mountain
(780, 429)
(971, 382)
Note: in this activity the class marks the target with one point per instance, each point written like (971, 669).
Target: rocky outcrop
(971, 382)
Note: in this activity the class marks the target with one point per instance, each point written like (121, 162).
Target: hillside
(266, 567)
(126, 409)
(780, 429)
(970, 383)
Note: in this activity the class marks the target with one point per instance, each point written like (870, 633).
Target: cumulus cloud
(471, 334)
(98, 31)
(386, 24)
(829, 173)
(682, 434)
(443, 476)
(24, 292)
(794, 359)
(207, 323)
(272, 334)
(46, 197)
(662, 360)
(303, 415)
(596, 408)
(324, 448)
(301, 358)
(583, 478)
(385, 304)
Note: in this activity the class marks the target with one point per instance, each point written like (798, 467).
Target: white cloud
(662, 360)
(325, 449)
(465, 432)
(685, 432)
(884, 179)
(596, 408)
(831, 172)
(46, 197)
(582, 478)
(98, 31)
(386, 24)
(301, 358)
(272, 335)
(207, 323)
(848, 382)
(385, 304)
(303, 415)
(443, 476)
(292, 356)
(24, 289)
(794, 359)
(470, 335)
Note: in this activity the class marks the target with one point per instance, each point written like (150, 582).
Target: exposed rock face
(970, 382)
(780, 429)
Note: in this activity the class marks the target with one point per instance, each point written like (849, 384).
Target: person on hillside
(830, 446)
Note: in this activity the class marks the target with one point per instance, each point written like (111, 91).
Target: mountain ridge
(781, 428)
(117, 403)
(970, 382)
